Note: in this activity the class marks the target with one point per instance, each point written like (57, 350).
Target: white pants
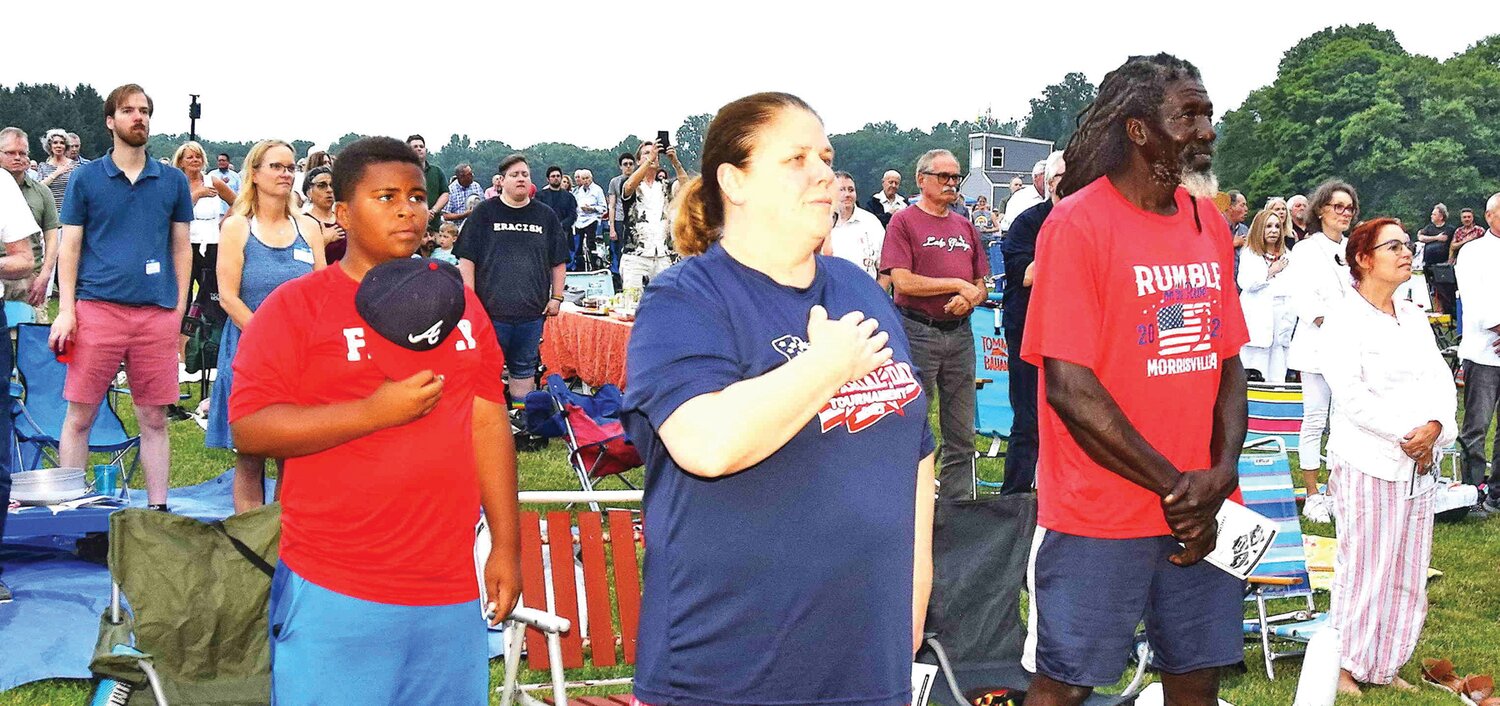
(1379, 597)
(1315, 396)
(636, 269)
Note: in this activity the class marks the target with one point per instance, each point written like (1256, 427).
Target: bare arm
(289, 430)
(18, 259)
(230, 268)
(647, 166)
(223, 190)
(770, 409)
(921, 583)
(466, 269)
(437, 206)
(1096, 422)
(68, 249)
(915, 285)
(38, 294)
(495, 464)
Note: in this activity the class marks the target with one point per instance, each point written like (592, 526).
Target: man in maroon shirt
(937, 265)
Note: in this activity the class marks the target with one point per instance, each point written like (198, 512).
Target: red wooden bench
(606, 546)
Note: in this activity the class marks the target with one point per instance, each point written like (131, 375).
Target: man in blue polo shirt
(123, 268)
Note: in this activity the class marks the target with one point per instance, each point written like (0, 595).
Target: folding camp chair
(993, 415)
(974, 621)
(559, 629)
(1276, 410)
(38, 419)
(1266, 483)
(195, 631)
(597, 445)
(17, 313)
(598, 283)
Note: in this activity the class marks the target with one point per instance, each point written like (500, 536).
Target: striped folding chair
(1266, 483)
(1275, 410)
(564, 624)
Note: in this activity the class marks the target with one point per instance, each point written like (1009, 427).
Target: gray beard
(1204, 184)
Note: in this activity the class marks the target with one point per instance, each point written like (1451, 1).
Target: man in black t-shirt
(1434, 238)
(513, 251)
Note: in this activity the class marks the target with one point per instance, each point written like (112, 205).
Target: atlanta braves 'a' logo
(860, 404)
(430, 335)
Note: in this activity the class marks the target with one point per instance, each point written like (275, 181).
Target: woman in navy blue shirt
(789, 476)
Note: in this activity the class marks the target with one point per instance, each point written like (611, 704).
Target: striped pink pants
(1380, 572)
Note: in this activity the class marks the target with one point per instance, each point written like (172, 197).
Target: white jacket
(1319, 281)
(1264, 298)
(1478, 271)
(1387, 378)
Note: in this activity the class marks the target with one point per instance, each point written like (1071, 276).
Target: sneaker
(5, 595)
(1316, 508)
(1480, 511)
(1492, 505)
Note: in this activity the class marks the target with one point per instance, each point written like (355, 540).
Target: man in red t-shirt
(937, 267)
(1136, 324)
(390, 453)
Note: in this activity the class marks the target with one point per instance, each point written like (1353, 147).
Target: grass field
(1463, 623)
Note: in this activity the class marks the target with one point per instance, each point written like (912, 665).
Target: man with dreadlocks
(1136, 325)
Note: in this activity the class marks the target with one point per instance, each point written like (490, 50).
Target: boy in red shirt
(374, 600)
(1136, 324)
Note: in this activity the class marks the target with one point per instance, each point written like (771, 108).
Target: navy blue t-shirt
(126, 256)
(790, 581)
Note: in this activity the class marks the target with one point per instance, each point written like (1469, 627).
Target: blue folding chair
(18, 313)
(598, 283)
(38, 417)
(1266, 484)
(993, 415)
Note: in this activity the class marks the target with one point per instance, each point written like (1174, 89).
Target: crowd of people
(790, 341)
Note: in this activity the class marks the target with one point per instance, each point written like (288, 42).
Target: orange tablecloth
(590, 347)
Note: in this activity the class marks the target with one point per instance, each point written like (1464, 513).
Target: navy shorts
(521, 342)
(1091, 594)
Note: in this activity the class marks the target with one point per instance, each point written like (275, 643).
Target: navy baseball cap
(413, 304)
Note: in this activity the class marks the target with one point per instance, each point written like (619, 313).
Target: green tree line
(1350, 102)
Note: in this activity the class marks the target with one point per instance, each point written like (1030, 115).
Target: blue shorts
(521, 342)
(1092, 593)
(329, 648)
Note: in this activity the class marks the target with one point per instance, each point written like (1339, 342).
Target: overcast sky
(508, 70)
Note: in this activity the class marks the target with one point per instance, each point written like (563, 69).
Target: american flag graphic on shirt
(1182, 328)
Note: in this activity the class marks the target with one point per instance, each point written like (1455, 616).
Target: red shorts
(143, 337)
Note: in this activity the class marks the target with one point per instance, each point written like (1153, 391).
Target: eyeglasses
(1396, 246)
(322, 185)
(279, 167)
(1342, 209)
(944, 176)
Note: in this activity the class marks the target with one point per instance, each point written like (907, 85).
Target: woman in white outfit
(1264, 298)
(1320, 281)
(1393, 410)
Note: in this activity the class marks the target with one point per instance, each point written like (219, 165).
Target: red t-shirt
(932, 247)
(387, 517)
(1148, 303)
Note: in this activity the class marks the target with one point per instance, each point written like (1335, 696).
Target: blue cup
(107, 479)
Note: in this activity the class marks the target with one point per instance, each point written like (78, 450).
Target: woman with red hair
(1393, 410)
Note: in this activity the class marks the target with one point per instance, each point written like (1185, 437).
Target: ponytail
(698, 220)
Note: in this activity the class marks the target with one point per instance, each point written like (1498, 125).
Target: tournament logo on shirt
(1181, 323)
(858, 405)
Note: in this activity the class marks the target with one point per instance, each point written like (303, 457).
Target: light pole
(195, 111)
